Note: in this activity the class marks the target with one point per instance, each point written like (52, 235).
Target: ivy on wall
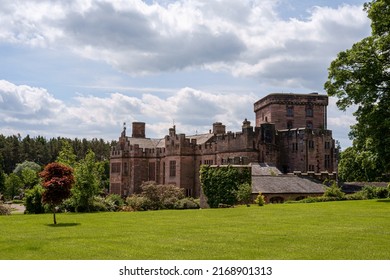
(220, 184)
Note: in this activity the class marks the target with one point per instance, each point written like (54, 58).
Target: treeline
(15, 149)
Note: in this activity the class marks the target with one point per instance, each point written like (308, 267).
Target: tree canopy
(361, 76)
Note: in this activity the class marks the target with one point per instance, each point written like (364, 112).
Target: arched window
(309, 110)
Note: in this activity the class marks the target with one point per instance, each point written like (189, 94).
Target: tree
(13, 185)
(220, 184)
(66, 155)
(87, 182)
(243, 193)
(29, 177)
(360, 76)
(58, 181)
(24, 165)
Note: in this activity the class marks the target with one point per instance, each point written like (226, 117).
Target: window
(311, 144)
(327, 161)
(152, 171)
(188, 192)
(116, 167)
(209, 162)
(309, 110)
(309, 125)
(289, 111)
(172, 168)
(295, 146)
(311, 167)
(289, 124)
(125, 169)
(327, 145)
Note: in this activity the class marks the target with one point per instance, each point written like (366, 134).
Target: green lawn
(330, 230)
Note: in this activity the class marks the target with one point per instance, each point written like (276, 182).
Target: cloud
(35, 111)
(244, 38)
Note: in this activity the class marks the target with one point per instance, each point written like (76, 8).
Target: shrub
(161, 196)
(138, 203)
(334, 191)
(187, 203)
(4, 210)
(243, 193)
(376, 192)
(115, 200)
(33, 200)
(260, 200)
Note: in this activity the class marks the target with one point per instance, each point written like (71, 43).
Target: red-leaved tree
(58, 180)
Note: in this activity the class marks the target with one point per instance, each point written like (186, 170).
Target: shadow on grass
(63, 225)
(383, 200)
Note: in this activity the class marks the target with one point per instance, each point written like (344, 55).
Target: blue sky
(83, 68)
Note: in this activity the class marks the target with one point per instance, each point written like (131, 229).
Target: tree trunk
(54, 215)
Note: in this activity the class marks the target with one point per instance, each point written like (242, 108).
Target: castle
(290, 133)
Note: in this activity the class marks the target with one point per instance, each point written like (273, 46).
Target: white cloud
(245, 38)
(35, 111)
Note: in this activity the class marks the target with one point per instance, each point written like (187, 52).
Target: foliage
(66, 155)
(161, 196)
(13, 185)
(243, 193)
(115, 200)
(15, 149)
(334, 191)
(58, 180)
(29, 177)
(220, 184)
(187, 203)
(137, 203)
(260, 199)
(4, 210)
(360, 76)
(33, 200)
(26, 165)
(87, 184)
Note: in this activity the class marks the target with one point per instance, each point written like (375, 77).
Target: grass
(345, 230)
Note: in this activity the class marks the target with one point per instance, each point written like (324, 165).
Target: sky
(83, 68)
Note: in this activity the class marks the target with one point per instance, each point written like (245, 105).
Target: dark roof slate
(285, 184)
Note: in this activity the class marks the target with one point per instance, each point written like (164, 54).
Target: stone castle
(290, 133)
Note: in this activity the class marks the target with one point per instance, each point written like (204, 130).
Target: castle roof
(146, 143)
(285, 184)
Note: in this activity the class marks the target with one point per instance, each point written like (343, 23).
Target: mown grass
(333, 230)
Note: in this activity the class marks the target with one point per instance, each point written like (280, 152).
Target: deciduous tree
(361, 76)
(57, 180)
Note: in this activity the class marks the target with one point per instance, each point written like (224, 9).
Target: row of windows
(308, 110)
(310, 144)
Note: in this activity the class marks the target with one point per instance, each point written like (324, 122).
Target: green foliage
(243, 193)
(375, 192)
(161, 196)
(260, 199)
(87, 184)
(66, 155)
(359, 76)
(26, 165)
(115, 200)
(334, 191)
(29, 177)
(220, 184)
(137, 203)
(187, 203)
(33, 200)
(13, 185)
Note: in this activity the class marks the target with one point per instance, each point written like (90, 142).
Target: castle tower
(289, 111)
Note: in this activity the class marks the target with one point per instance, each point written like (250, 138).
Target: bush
(4, 210)
(137, 203)
(260, 200)
(33, 200)
(116, 201)
(243, 193)
(334, 191)
(376, 192)
(161, 196)
(187, 203)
